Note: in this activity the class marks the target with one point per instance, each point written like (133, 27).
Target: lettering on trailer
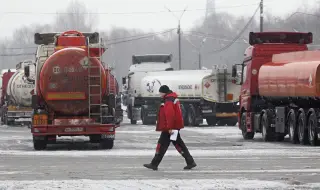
(184, 87)
(25, 85)
(56, 70)
(72, 69)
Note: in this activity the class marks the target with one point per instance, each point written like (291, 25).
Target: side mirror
(234, 71)
(124, 80)
(27, 71)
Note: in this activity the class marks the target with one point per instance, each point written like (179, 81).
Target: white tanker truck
(18, 97)
(203, 94)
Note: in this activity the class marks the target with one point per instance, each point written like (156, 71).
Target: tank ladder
(94, 83)
(222, 84)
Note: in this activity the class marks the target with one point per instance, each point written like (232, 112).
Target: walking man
(170, 118)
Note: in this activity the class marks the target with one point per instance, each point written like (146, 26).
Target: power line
(17, 54)
(130, 13)
(238, 36)
(144, 37)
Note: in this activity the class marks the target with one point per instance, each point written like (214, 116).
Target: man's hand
(170, 131)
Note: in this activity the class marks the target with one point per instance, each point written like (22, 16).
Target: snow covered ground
(152, 184)
(225, 161)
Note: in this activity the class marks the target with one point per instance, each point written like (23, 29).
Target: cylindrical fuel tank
(19, 89)
(291, 79)
(65, 75)
(112, 83)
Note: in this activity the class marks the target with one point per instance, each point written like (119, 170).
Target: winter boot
(150, 166)
(190, 164)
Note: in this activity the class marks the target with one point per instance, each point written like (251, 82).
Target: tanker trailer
(18, 97)
(203, 94)
(70, 97)
(6, 74)
(113, 88)
(280, 94)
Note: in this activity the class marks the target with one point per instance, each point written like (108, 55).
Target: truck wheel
(243, 125)
(267, 133)
(211, 121)
(39, 144)
(192, 117)
(133, 122)
(107, 143)
(302, 129)
(312, 124)
(293, 132)
(95, 138)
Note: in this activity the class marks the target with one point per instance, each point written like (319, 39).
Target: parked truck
(18, 97)
(141, 65)
(203, 94)
(280, 93)
(6, 74)
(71, 97)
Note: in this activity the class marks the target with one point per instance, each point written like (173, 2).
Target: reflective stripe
(162, 104)
(176, 101)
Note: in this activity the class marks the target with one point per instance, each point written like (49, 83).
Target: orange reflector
(66, 96)
(40, 119)
(229, 97)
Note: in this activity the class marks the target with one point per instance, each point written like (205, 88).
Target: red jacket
(170, 115)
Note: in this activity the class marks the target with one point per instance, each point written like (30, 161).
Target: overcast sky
(131, 19)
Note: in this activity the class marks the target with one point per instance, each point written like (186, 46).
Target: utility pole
(261, 16)
(199, 60)
(178, 32)
(179, 45)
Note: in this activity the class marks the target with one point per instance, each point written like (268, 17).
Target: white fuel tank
(19, 89)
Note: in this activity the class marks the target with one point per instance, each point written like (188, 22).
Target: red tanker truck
(71, 97)
(4, 78)
(280, 92)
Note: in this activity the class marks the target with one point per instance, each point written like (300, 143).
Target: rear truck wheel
(267, 132)
(95, 138)
(107, 143)
(243, 125)
(133, 122)
(192, 119)
(39, 142)
(211, 121)
(302, 129)
(292, 125)
(312, 125)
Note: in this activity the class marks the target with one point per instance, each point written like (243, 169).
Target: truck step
(94, 85)
(98, 76)
(94, 94)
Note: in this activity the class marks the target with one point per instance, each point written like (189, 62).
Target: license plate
(107, 136)
(73, 129)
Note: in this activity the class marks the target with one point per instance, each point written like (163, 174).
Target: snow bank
(239, 184)
(150, 152)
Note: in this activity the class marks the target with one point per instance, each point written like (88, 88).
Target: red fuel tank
(112, 83)
(63, 81)
(294, 74)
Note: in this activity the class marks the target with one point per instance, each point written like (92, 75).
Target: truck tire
(133, 122)
(39, 144)
(292, 125)
(267, 132)
(243, 125)
(107, 143)
(302, 129)
(211, 121)
(312, 124)
(95, 138)
(192, 119)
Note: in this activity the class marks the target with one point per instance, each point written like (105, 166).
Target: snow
(239, 184)
(196, 152)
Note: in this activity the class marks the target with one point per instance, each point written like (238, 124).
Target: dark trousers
(162, 147)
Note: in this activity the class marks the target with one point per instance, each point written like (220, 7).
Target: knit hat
(164, 89)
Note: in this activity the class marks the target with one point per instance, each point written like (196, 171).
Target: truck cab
(141, 65)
